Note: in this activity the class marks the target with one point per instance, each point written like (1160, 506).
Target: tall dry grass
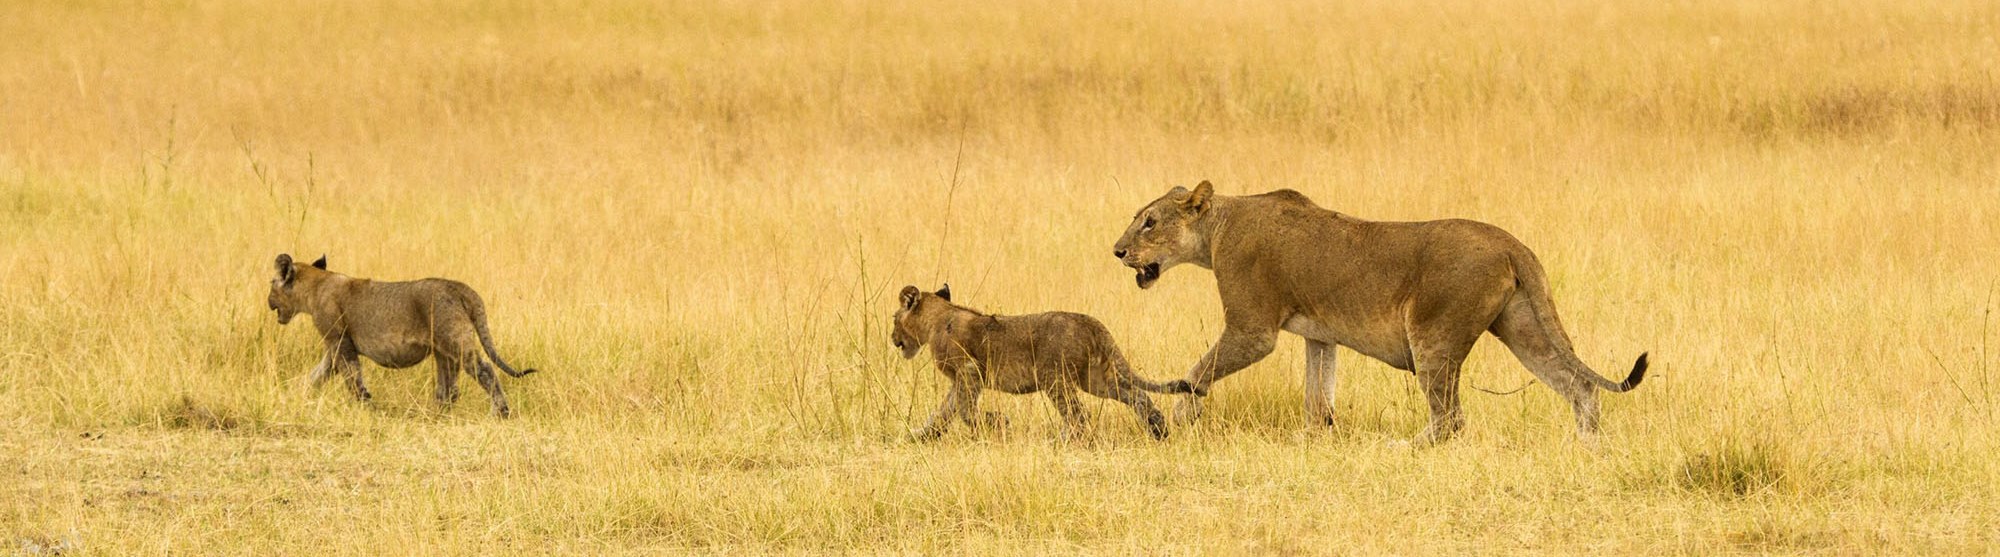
(693, 217)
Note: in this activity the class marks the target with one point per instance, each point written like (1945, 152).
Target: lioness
(1415, 295)
(394, 324)
(1055, 353)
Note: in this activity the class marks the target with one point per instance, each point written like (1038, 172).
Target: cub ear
(945, 292)
(285, 267)
(321, 262)
(1197, 202)
(909, 297)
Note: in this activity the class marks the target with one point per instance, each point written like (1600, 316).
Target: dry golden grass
(694, 218)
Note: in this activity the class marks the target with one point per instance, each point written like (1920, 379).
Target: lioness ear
(1197, 202)
(321, 262)
(945, 292)
(285, 267)
(910, 297)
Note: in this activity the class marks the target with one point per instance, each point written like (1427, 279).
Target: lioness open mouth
(1147, 274)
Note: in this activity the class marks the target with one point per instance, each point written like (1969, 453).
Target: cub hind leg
(1075, 418)
(448, 368)
(465, 342)
(1125, 392)
(1156, 423)
(491, 385)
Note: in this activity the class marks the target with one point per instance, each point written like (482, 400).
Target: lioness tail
(1534, 284)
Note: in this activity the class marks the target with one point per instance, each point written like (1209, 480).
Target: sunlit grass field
(694, 218)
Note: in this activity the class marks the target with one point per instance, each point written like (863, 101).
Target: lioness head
(908, 334)
(1163, 234)
(283, 299)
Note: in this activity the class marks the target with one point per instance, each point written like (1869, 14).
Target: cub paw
(924, 435)
(994, 420)
(1187, 410)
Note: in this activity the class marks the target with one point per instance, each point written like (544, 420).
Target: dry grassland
(694, 217)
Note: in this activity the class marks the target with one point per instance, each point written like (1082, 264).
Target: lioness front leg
(1237, 349)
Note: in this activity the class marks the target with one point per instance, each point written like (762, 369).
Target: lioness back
(1415, 295)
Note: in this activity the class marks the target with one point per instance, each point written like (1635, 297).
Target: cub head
(908, 332)
(1163, 233)
(284, 299)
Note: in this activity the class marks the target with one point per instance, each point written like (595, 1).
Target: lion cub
(395, 324)
(1055, 353)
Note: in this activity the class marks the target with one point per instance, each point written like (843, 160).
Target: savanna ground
(694, 219)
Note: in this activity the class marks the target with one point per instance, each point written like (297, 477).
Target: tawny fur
(1415, 295)
(394, 324)
(1054, 353)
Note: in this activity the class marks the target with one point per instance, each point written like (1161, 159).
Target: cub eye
(1147, 226)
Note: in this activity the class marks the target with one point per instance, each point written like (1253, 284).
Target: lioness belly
(1304, 326)
(1390, 348)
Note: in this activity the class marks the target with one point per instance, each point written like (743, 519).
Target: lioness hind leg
(1548, 359)
(1439, 355)
(483, 372)
(1439, 378)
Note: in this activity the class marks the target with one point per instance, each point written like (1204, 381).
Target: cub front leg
(348, 364)
(968, 405)
(320, 373)
(954, 400)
